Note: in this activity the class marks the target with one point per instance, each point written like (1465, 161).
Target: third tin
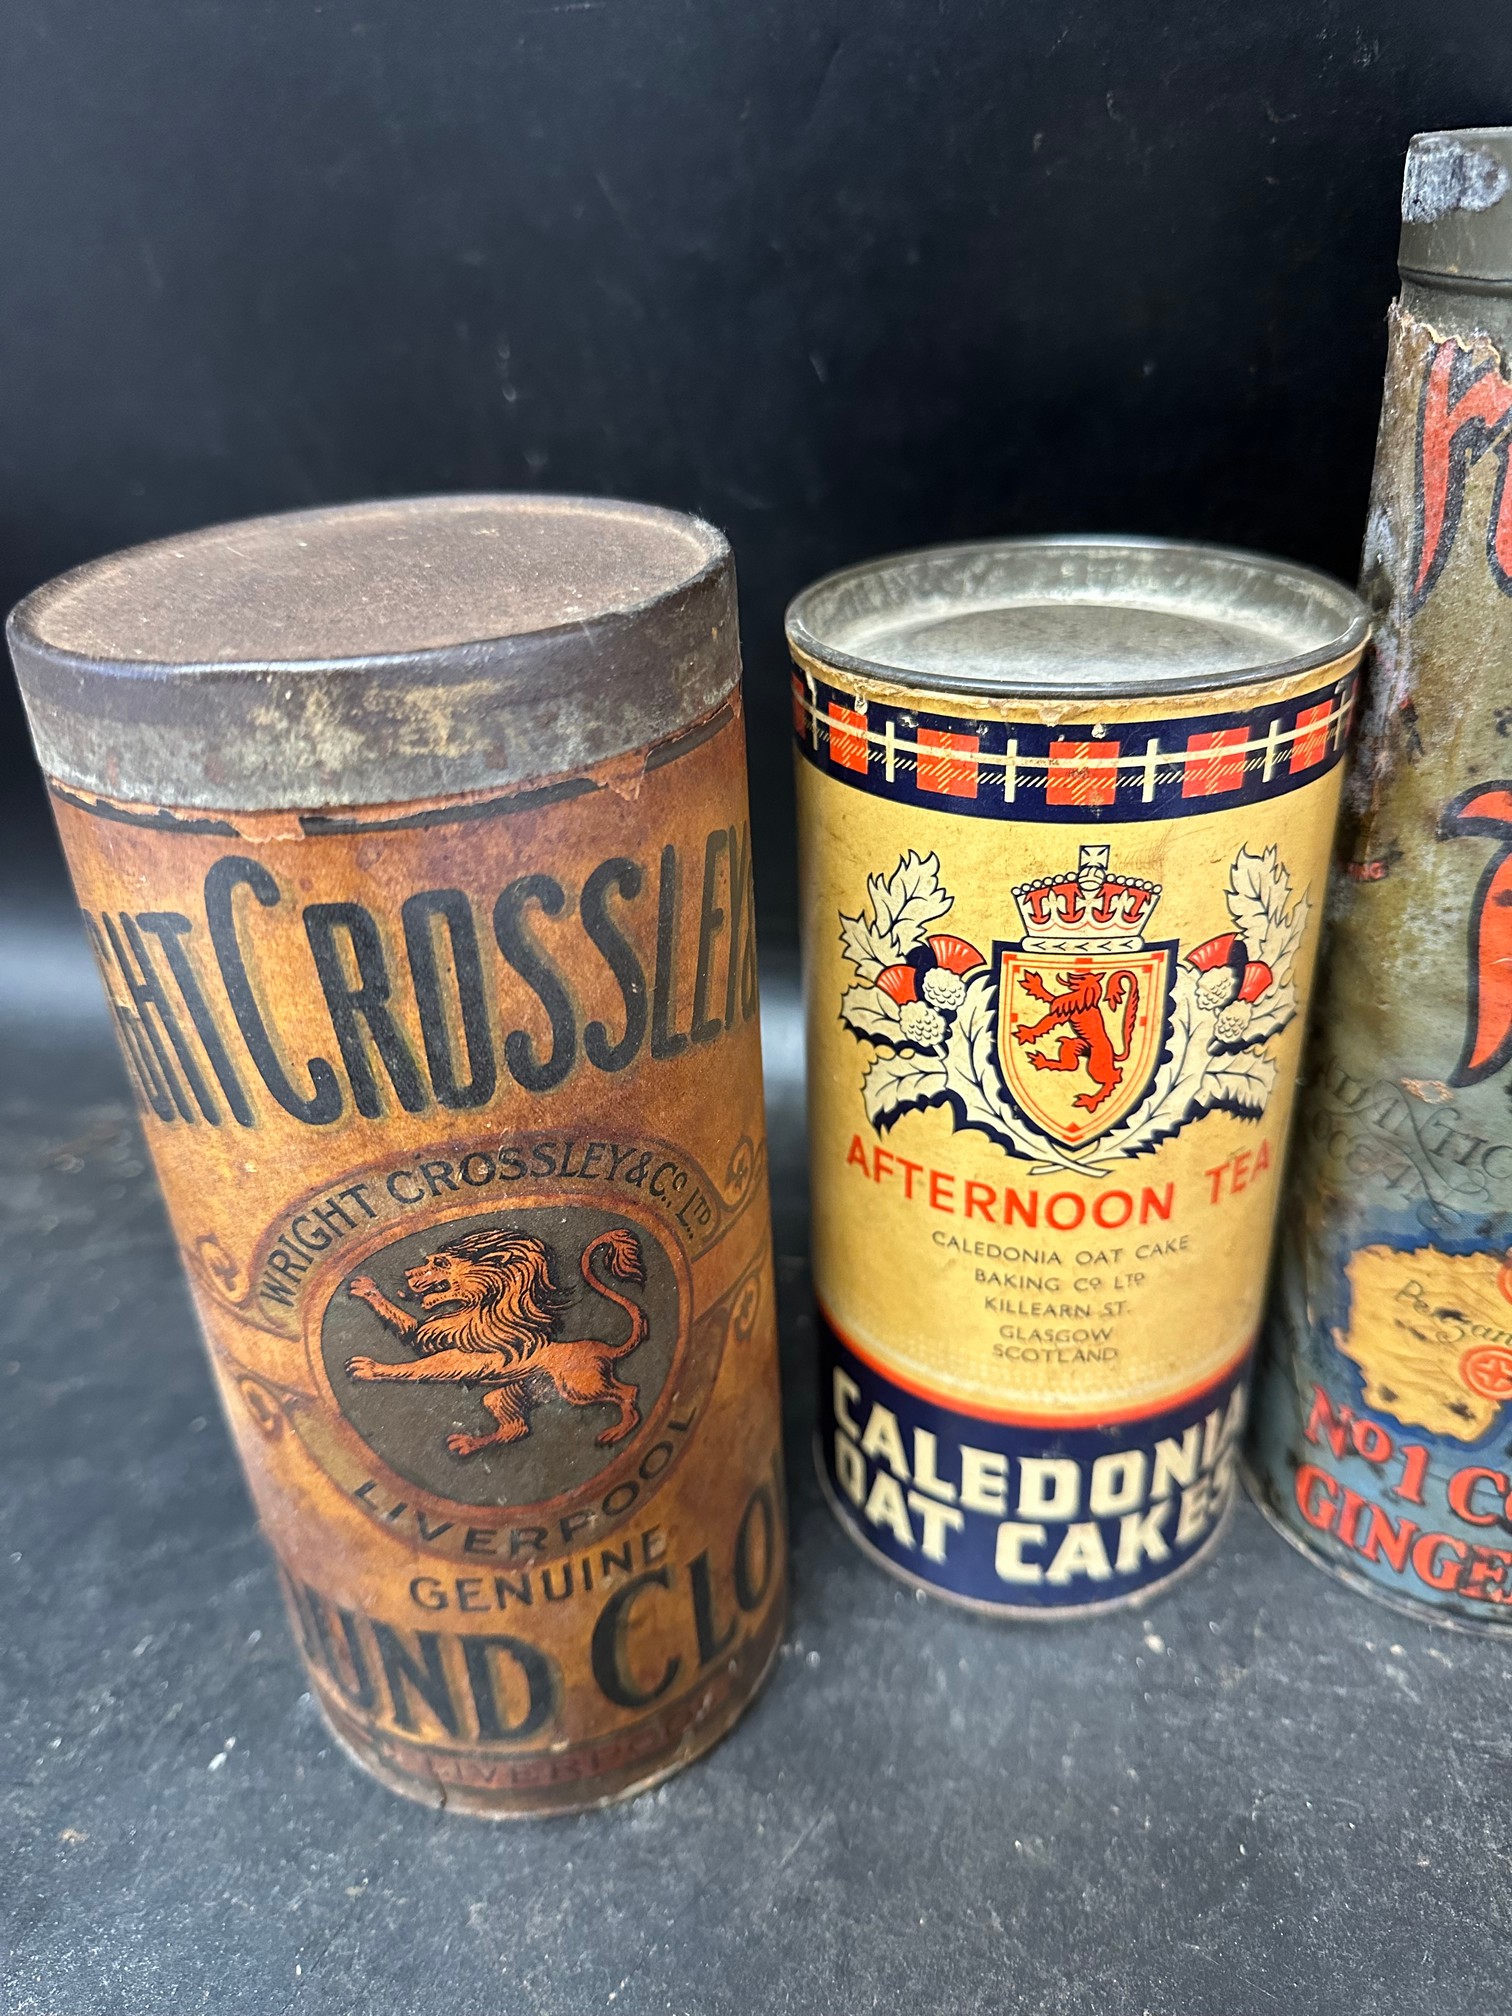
(1066, 808)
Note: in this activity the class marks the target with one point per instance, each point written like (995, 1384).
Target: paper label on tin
(1381, 1423)
(1431, 1333)
(1057, 971)
(457, 1110)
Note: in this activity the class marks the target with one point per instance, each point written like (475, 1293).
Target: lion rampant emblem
(1085, 1043)
(495, 1307)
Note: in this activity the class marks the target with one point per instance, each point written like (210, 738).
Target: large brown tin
(412, 841)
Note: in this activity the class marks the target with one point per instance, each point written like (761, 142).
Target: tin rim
(28, 619)
(462, 1799)
(1356, 1582)
(1456, 217)
(1324, 591)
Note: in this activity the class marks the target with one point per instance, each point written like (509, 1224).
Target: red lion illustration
(497, 1307)
(1077, 1010)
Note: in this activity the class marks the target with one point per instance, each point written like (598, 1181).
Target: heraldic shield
(1084, 1001)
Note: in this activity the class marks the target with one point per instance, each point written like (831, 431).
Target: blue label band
(1023, 1516)
(1072, 773)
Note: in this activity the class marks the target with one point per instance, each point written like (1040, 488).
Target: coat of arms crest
(1083, 1038)
(1083, 1000)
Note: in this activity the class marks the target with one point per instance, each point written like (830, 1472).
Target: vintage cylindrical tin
(1065, 814)
(412, 841)
(1382, 1426)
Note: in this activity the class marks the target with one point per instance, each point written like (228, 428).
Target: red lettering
(1485, 811)
(1381, 1537)
(1461, 420)
(1483, 1578)
(1371, 1441)
(1314, 1484)
(1437, 1559)
(1334, 1427)
(1065, 1200)
(1414, 1471)
(1064, 1210)
(1350, 1508)
(1462, 1487)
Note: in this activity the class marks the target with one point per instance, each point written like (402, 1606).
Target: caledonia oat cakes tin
(1065, 810)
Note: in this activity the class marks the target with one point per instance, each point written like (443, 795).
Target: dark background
(842, 277)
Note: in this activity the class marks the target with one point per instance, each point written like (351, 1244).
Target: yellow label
(1057, 974)
(1432, 1334)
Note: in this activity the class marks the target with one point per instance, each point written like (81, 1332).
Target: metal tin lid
(1089, 617)
(369, 654)
(1457, 207)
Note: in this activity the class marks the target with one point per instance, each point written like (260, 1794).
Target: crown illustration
(1085, 909)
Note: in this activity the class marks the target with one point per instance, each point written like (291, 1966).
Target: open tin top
(371, 654)
(1073, 617)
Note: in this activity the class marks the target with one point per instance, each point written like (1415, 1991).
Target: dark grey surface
(1260, 1794)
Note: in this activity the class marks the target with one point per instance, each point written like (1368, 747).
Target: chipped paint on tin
(1384, 1419)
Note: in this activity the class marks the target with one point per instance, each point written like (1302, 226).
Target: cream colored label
(1057, 978)
(1432, 1334)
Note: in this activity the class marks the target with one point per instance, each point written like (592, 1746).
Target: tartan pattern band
(1097, 771)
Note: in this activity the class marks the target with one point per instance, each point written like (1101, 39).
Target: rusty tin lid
(1457, 209)
(1076, 617)
(369, 654)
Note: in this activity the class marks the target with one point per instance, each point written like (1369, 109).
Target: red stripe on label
(1311, 748)
(1214, 762)
(1082, 773)
(847, 737)
(947, 763)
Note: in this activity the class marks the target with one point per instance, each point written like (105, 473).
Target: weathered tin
(412, 841)
(1065, 809)
(1382, 1432)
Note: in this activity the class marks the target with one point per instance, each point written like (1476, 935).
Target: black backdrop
(843, 275)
